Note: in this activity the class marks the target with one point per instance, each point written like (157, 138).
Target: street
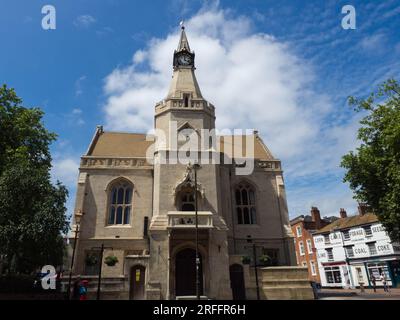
(356, 294)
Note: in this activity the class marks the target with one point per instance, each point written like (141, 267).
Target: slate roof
(349, 222)
(119, 144)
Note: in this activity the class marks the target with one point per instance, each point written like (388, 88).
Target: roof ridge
(125, 132)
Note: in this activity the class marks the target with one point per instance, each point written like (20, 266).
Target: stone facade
(142, 209)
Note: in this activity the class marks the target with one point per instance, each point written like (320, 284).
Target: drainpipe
(347, 261)
(368, 278)
(232, 214)
(285, 240)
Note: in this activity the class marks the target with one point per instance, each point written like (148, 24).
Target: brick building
(352, 249)
(303, 228)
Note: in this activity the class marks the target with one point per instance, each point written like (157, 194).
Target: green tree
(32, 210)
(373, 171)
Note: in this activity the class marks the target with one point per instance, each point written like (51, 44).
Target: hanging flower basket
(111, 261)
(246, 260)
(265, 260)
(91, 259)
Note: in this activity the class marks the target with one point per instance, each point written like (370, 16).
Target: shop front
(335, 275)
(363, 270)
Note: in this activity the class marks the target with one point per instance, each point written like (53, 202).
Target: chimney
(343, 213)
(316, 217)
(362, 208)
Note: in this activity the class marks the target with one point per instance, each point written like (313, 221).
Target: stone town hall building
(143, 210)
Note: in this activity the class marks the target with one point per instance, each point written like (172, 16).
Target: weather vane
(182, 24)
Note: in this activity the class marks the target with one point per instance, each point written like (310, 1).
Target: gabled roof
(349, 222)
(119, 144)
(260, 149)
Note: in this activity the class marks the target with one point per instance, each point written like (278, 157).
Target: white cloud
(254, 81)
(75, 117)
(66, 171)
(76, 111)
(78, 85)
(104, 31)
(84, 21)
(374, 43)
(328, 198)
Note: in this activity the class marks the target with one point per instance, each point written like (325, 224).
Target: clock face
(185, 59)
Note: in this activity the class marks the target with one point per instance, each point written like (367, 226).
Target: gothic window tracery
(120, 203)
(245, 204)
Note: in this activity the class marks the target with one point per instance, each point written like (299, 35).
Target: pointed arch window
(120, 203)
(187, 201)
(245, 204)
(186, 100)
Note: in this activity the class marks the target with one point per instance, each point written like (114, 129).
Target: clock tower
(184, 104)
(183, 57)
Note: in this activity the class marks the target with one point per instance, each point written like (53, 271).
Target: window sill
(127, 226)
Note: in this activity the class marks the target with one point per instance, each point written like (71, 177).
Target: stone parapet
(286, 283)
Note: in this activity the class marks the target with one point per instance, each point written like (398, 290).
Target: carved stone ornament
(187, 181)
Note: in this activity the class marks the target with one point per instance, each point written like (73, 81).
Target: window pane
(246, 216)
(114, 196)
(128, 194)
(112, 216)
(119, 215)
(120, 196)
(191, 197)
(238, 201)
(244, 197)
(252, 197)
(329, 276)
(188, 207)
(239, 215)
(253, 215)
(337, 276)
(127, 215)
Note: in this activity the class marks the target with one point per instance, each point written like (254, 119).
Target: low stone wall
(286, 283)
(115, 288)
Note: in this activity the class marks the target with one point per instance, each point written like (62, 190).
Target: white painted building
(352, 248)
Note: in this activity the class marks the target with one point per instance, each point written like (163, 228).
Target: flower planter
(111, 261)
(246, 260)
(91, 260)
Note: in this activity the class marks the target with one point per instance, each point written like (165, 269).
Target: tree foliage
(373, 170)
(32, 209)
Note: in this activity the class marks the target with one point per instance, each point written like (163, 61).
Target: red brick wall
(306, 257)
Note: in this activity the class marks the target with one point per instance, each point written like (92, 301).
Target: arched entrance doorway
(136, 291)
(185, 273)
(237, 282)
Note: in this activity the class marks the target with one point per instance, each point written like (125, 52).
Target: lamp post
(254, 247)
(100, 267)
(195, 167)
(78, 217)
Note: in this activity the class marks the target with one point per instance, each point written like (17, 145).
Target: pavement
(356, 294)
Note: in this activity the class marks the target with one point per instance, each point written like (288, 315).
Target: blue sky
(108, 62)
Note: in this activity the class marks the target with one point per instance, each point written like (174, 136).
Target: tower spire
(183, 41)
